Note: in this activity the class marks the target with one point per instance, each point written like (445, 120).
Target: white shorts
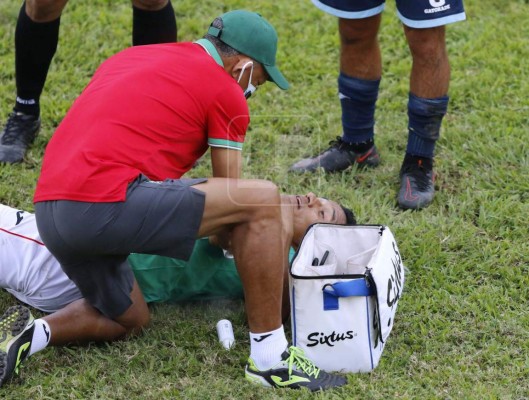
(27, 269)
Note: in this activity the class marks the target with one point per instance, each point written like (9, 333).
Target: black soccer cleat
(19, 133)
(338, 157)
(416, 183)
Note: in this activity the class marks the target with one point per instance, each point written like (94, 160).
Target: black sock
(35, 46)
(426, 162)
(149, 27)
(361, 147)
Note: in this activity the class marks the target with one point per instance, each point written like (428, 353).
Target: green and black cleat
(16, 332)
(294, 371)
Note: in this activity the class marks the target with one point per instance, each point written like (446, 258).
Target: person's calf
(150, 5)
(44, 10)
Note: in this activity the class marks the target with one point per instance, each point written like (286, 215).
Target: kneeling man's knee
(137, 325)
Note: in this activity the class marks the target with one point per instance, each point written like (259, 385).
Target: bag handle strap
(333, 291)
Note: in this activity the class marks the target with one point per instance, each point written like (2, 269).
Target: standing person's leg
(360, 74)
(36, 38)
(424, 26)
(153, 21)
(430, 72)
(427, 105)
(358, 84)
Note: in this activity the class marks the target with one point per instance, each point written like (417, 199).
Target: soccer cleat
(16, 331)
(416, 183)
(19, 133)
(293, 371)
(337, 157)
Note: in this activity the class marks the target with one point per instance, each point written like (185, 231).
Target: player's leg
(44, 10)
(36, 38)
(165, 218)
(153, 21)
(359, 48)
(430, 73)
(91, 325)
(94, 256)
(179, 211)
(252, 210)
(424, 27)
(358, 84)
(79, 322)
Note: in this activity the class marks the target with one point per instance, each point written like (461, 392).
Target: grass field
(461, 330)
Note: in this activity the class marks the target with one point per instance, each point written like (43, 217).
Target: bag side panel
(337, 340)
(387, 271)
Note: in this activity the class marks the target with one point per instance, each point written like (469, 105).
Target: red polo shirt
(148, 109)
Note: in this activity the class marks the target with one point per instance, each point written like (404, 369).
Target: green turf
(461, 328)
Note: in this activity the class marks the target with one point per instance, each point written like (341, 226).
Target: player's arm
(227, 122)
(226, 163)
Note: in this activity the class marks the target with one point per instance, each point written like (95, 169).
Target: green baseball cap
(252, 35)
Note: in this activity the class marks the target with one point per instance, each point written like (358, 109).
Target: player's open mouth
(299, 202)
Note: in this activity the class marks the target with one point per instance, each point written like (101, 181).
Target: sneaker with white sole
(294, 371)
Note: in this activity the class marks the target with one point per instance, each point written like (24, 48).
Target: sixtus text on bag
(317, 338)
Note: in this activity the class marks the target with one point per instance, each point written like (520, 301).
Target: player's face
(309, 209)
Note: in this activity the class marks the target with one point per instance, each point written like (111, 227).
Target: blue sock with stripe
(358, 98)
(425, 117)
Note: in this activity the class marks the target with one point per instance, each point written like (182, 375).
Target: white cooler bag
(345, 284)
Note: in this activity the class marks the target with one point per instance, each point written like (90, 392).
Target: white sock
(266, 348)
(41, 336)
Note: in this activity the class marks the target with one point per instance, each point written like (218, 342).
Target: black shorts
(415, 14)
(93, 240)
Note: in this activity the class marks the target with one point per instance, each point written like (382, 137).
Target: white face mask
(251, 88)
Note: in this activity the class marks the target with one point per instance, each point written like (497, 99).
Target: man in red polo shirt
(154, 110)
(110, 185)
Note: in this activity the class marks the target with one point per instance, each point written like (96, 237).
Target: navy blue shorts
(412, 13)
(92, 241)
